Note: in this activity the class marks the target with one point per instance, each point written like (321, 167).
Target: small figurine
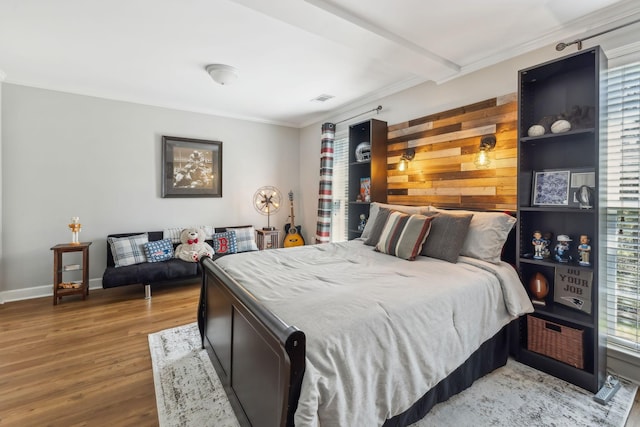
(562, 248)
(538, 244)
(584, 250)
(75, 227)
(547, 237)
(363, 222)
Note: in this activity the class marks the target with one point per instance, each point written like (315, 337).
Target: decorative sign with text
(572, 287)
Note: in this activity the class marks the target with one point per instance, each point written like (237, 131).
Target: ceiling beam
(356, 20)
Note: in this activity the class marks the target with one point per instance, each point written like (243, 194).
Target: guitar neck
(292, 217)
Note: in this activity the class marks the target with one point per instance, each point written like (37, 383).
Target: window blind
(620, 176)
(340, 207)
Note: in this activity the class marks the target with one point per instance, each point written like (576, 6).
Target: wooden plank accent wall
(443, 172)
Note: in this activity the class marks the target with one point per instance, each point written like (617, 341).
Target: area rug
(189, 393)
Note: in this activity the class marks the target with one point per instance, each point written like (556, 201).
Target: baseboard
(38, 292)
(623, 363)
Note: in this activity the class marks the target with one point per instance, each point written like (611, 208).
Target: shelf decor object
(573, 287)
(558, 170)
(75, 227)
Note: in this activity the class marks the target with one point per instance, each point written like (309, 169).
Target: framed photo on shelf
(191, 167)
(550, 188)
(582, 188)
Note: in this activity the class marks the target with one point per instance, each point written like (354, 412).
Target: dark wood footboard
(259, 359)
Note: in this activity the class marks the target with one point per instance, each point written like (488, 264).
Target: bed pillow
(375, 207)
(488, 232)
(128, 250)
(246, 238)
(158, 250)
(403, 235)
(225, 243)
(447, 235)
(378, 224)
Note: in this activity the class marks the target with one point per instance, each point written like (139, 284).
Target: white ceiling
(287, 52)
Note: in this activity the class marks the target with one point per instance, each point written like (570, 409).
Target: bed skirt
(491, 355)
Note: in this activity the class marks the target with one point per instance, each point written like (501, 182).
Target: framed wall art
(191, 167)
(550, 188)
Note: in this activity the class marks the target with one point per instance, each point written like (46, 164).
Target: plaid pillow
(403, 235)
(128, 250)
(246, 238)
(158, 250)
(225, 243)
(173, 234)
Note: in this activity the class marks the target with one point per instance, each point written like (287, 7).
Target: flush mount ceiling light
(222, 74)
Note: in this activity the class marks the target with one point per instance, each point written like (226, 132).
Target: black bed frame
(261, 360)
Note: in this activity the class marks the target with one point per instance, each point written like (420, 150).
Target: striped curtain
(325, 197)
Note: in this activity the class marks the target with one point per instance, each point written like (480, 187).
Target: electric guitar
(293, 233)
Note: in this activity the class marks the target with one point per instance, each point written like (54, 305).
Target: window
(620, 169)
(340, 189)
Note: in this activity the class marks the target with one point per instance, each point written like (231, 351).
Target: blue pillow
(158, 250)
(225, 243)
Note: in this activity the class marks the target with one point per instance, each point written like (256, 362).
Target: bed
(344, 334)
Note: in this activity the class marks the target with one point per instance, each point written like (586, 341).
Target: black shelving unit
(375, 132)
(547, 90)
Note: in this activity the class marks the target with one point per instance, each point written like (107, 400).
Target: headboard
(443, 172)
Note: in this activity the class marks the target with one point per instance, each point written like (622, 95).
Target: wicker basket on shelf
(556, 341)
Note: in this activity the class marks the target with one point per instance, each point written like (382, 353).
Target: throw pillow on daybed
(173, 233)
(245, 238)
(403, 235)
(158, 250)
(128, 250)
(225, 243)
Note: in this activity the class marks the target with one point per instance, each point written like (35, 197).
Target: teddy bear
(193, 246)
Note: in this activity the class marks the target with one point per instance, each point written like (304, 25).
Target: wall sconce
(487, 143)
(406, 157)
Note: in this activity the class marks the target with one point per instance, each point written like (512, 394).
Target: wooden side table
(59, 269)
(268, 239)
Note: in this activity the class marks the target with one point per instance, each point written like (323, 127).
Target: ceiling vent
(322, 98)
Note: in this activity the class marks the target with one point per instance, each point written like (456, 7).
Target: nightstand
(268, 239)
(59, 269)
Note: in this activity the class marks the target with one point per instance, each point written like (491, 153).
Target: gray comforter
(381, 331)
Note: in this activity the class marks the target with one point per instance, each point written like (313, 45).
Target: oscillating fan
(267, 200)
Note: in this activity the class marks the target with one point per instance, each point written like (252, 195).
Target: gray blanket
(381, 331)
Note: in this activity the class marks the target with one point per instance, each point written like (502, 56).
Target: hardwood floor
(87, 363)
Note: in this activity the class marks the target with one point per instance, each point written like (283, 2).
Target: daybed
(171, 271)
(342, 334)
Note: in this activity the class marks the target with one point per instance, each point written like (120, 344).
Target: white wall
(2, 77)
(69, 155)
